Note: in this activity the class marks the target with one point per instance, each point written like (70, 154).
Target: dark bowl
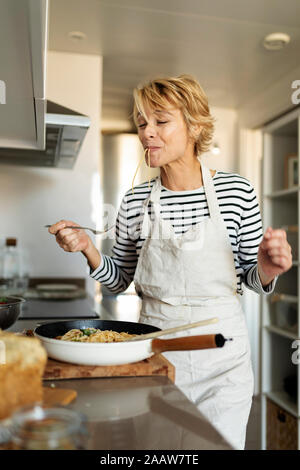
(10, 311)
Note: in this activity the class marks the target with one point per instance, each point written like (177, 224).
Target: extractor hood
(33, 130)
(65, 131)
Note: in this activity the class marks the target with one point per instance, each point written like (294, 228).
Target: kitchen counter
(137, 412)
(62, 309)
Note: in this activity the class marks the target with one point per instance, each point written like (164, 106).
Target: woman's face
(165, 134)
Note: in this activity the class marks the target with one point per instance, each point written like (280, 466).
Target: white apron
(192, 277)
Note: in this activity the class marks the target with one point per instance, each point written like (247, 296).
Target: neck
(182, 175)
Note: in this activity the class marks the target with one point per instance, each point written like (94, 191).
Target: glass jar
(41, 428)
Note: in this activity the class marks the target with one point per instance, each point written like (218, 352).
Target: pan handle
(188, 343)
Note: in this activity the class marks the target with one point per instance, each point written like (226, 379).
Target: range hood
(33, 130)
(65, 131)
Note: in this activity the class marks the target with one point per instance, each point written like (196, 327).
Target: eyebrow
(162, 111)
(157, 111)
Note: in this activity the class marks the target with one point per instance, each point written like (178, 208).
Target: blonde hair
(183, 92)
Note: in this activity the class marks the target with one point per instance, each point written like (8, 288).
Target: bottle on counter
(15, 272)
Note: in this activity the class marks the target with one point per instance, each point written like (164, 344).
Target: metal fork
(95, 232)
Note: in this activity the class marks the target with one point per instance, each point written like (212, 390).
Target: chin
(154, 162)
(158, 161)
(155, 165)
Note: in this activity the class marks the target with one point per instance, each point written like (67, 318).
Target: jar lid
(11, 242)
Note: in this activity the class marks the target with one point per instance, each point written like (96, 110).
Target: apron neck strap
(210, 192)
(154, 198)
(209, 189)
(155, 191)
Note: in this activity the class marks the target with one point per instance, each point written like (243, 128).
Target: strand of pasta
(140, 162)
(148, 168)
(101, 336)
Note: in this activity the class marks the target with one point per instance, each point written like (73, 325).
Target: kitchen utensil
(117, 353)
(95, 232)
(188, 326)
(10, 310)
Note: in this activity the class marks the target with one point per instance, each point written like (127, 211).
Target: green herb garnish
(88, 331)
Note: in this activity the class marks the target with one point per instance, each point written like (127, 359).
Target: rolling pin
(189, 343)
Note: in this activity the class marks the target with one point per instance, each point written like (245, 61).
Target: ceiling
(218, 41)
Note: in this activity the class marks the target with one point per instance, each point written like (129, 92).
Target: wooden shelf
(284, 193)
(281, 331)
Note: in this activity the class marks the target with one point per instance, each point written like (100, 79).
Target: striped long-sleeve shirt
(240, 211)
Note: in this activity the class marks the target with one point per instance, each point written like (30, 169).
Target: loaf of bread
(22, 363)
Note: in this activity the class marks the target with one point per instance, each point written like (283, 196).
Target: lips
(151, 148)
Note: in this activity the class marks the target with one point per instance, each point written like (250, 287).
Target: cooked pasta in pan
(94, 335)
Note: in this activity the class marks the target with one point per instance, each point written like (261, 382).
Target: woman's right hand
(70, 239)
(74, 240)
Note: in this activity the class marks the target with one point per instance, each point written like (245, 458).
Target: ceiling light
(276, 41)
(216, 149)
(76, 35)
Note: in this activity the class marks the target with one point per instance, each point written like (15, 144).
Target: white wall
(276, 99)
(33, 197)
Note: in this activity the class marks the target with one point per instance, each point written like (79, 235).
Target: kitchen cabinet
(23, 48)
(280, 326)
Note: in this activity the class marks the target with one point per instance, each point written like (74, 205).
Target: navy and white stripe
(240, 211)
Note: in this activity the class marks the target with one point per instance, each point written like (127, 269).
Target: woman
(188, 239)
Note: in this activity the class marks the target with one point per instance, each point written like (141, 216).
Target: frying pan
(116, 353)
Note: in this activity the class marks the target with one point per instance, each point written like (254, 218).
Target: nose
(149, 131)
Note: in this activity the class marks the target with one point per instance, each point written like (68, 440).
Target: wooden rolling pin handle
(188, 343)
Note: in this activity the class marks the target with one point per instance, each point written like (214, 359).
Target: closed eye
(158, 122)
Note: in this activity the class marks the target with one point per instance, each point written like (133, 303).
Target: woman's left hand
(274, 255)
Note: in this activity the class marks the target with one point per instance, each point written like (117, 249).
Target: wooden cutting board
(155, 365)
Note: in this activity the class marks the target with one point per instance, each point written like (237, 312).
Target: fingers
(275, 233)
(273, 238)
(283, 262)
(279, 251)
(277, 247)
(69, 239)
(280, 259)
(277, 243)
(71, 246)
(60, 225)
(74, 242)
